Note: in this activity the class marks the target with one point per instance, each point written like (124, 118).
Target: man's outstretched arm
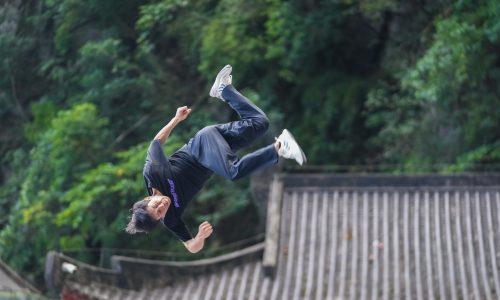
(180, 115)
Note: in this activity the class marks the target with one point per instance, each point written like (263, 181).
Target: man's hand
(182, 113)
(196, 244)
(204, 230)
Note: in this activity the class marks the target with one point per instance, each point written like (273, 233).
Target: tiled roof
(429, 240)
(240, 282)
(389, 243)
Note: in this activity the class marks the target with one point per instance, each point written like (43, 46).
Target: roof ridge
(17, 279)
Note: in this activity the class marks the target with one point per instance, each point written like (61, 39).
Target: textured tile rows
(389, 244)
(366, 243)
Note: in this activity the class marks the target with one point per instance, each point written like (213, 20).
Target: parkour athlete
(172, 181)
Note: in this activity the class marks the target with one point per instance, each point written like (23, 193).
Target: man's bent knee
(261, 124)
(207, 130)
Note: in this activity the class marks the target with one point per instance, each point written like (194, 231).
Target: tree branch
(14, 95)
(130, 129)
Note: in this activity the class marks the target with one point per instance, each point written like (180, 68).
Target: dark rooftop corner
(330, 237)
(12, 286)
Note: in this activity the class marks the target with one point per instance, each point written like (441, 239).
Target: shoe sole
(223, 72)
(304, 158)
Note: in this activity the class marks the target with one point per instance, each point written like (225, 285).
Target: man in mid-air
(172, 181)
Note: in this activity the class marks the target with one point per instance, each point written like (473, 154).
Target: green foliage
(234, 37)
(19, 82)
(92, 203)
(218, 200)
(484, 158)
(9, 191)
(158, 14)
(373, 7)
(296, 30)
(445, 107)
(334, 114)
(43, 113)
(67, 148)
(454, 58)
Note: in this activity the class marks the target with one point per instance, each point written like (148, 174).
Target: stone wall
(136, 273)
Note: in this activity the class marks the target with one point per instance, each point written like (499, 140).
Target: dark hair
(140, 221)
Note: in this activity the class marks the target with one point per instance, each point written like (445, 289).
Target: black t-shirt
(179, 177)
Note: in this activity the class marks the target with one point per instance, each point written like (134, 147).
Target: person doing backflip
(172, 181)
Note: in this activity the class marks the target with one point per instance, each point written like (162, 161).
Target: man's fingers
(206, 227)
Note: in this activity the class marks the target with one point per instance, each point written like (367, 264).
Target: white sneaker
(289, 148)
(222, 80)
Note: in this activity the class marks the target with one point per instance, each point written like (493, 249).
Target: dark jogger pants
(215, 146)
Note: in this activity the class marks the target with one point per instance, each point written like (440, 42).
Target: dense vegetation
(392, 85)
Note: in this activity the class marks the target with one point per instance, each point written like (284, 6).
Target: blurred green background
(364, 85)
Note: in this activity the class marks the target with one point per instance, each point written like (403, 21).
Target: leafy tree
(69, 146)
(446, 105)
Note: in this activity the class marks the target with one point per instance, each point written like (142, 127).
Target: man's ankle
(277, 146)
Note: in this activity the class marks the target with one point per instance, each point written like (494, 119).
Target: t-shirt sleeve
(148, 186)
(181, 231)
(155, 153)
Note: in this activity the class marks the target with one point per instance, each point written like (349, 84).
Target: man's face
(158, 206)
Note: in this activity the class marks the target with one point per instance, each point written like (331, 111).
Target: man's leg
(253, 121)
(213, 151)
(257, 160)
(215, 146)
